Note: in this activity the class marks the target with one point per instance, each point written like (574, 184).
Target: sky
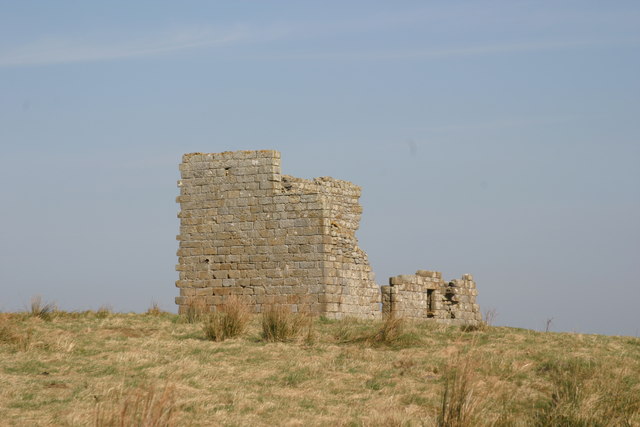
(497, 138)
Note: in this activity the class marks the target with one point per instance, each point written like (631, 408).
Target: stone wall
(426, 295)
(247, 230)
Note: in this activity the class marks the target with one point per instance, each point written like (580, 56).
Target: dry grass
(580, 396)
(197, 311)
(459, 401)
(487, 322)
(154, 310)
(12, 334)
(141, 406)
(104, 312)
(280, 324)
(390, 331)
(230, 321)
(80, 369)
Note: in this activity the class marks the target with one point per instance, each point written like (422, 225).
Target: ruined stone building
(248, 230)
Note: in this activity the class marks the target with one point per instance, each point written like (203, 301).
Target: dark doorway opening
(430, 305)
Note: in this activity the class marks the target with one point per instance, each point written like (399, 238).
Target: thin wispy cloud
(454, 51)
(61, 50)
(52, 50)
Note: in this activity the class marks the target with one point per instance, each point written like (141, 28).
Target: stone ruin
(273, 239)
(426, 295)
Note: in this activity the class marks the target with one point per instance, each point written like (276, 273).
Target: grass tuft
(104, 312)
(230, 321)
(311, 337)
(41, 310)
(390, 331)
(484, 325)
(349, 330)
(154, 310)
(280, 324)
(196, 311)
(459, 403)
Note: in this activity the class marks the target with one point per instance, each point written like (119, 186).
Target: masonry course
(273, 239)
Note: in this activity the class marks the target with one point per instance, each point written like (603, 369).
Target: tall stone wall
(426, 295)
(247, 230)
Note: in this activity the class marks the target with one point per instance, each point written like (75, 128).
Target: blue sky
(495, 138)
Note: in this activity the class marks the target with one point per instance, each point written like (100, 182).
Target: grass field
(101, 368)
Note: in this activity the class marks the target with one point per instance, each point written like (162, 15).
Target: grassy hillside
(100, 368)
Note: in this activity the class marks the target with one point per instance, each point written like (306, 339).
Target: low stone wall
(425, 295)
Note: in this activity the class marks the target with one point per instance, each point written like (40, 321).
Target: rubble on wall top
(323, 182)
(228, 154)
(429, 273)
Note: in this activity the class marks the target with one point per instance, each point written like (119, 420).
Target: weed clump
(280, 324)
(230, 321)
